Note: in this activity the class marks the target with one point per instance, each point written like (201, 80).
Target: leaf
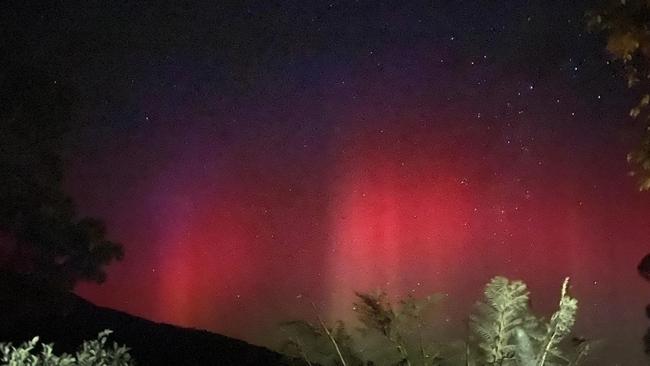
(622, 45)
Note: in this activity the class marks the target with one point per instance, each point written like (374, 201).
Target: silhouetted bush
(504, 332)
(91, 353)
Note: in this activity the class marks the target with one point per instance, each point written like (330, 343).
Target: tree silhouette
(626, 25)
(644, 271)
(40, 232)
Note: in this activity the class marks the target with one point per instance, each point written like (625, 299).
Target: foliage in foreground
(95, 352)
(504, 332)
(626, 27)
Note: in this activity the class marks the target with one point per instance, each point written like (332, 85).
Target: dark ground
(28, 308)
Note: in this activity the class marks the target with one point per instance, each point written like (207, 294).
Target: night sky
(256, 157)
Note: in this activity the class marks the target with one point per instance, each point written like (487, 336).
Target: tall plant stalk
(329, 335)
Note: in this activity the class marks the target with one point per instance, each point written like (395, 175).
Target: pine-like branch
(499, 316)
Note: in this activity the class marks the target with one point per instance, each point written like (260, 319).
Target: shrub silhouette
(504, 332)
(91, 353)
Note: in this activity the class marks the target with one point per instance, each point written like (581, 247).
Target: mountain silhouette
(28, 308)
